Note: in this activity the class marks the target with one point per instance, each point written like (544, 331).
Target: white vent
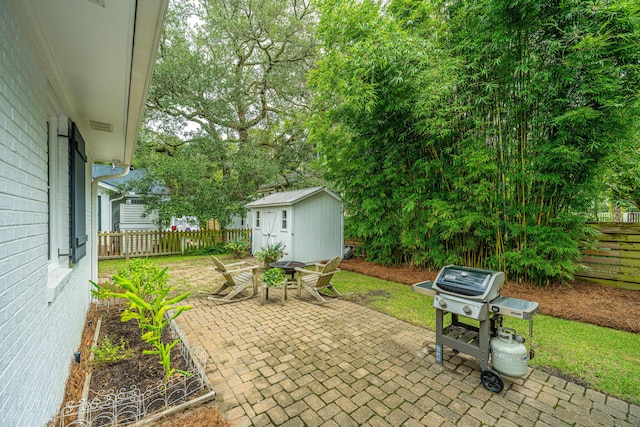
(101, 126)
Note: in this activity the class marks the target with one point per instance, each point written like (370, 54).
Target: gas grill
(476, 294)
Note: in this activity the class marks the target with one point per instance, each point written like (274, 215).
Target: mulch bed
(582, 301)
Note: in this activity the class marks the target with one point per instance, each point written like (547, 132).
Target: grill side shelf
(514, 307)
(424, 288)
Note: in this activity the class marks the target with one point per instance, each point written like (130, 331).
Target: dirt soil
(582, 301)
(140, 370)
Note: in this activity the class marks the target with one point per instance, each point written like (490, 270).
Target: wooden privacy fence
(132, 244)
(616, 260)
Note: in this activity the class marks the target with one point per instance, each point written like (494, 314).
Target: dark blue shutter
(78, 201)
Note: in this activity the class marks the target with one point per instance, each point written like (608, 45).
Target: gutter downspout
(94, 227)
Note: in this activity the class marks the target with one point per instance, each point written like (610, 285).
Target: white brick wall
(37, 337)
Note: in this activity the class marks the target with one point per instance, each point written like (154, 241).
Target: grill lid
(473, 283)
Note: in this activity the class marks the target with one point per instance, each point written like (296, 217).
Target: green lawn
(607, 360)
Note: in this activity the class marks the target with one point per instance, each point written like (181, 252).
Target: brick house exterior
(50, 98)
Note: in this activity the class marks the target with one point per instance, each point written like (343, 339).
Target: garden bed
(126, 390)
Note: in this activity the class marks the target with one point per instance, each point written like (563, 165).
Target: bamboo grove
(474, 131)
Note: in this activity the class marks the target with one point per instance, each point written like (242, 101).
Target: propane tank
(509, 355)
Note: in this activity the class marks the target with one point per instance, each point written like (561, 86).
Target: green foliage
(274, 277)
(478, 139)
(207, 250)
(106, 352)
(143, 274)
(146, 273)
(239, 247)
(622, 175)
(271, 253)
(149, 305)
(227, 105)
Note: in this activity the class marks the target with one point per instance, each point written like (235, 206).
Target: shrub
(239, 247)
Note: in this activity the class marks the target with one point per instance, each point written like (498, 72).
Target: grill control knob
(442, 302)
(466, 309)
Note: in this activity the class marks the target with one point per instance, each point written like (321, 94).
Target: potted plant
(270, 253)
(274, 277)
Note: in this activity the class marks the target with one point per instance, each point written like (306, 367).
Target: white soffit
(99, 61)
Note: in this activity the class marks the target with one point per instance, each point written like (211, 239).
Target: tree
(622, 175)
(368, 85)
(227, 104)
(483, 145)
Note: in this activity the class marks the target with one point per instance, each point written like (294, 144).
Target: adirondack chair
(238, 276)
(319, 280)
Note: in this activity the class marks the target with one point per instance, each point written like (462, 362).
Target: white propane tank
(508, 356)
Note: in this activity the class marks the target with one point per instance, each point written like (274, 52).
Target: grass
(605, 359)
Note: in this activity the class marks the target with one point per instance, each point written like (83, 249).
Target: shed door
(270, 229)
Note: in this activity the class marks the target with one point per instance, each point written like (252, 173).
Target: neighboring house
(238, 222)
(117, 211)
(310, 222)
(74, 76)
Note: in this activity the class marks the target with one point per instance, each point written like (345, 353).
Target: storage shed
(310, 222)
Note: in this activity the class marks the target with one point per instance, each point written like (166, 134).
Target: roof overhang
(99, 57)
(289, 198)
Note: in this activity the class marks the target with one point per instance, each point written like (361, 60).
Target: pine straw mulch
(582, 301)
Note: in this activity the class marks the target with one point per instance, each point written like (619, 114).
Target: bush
(208, 250)
(239, 248)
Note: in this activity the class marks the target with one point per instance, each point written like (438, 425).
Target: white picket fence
(621, 217)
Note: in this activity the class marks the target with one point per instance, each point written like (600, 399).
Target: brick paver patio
(342, 364)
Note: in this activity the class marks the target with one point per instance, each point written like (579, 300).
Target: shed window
(284, 220)
(258, 219)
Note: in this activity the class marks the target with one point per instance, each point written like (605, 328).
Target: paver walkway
(341, 364)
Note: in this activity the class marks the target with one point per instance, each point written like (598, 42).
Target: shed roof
(286, 198)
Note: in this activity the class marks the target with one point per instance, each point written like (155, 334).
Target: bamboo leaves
(479, 135)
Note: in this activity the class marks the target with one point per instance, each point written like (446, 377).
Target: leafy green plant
(207, 250)
(106, 352)
(146, 271)
(154, 316)
(148, 305)
(146, 277)
(271, 253)
(239, 247)
(274, 277)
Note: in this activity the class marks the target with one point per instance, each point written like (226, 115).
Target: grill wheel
(492, 381)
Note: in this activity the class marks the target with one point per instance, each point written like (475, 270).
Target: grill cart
(475, 294)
